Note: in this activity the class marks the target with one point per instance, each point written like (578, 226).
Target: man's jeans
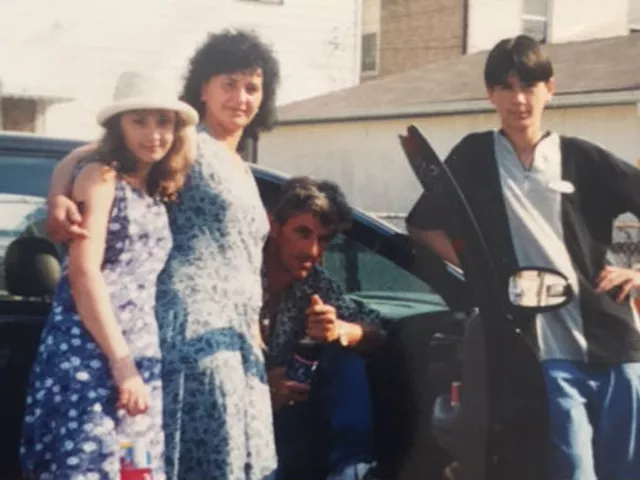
(594, 417)
(334, 427)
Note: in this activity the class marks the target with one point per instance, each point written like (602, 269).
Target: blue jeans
(594, 414)
(334, 427)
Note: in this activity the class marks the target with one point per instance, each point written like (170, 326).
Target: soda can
(454, 395)
(127, 454)
(300, 369)
(135, 461)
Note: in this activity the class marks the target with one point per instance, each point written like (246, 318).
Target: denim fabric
(594, 414)
(334, 427)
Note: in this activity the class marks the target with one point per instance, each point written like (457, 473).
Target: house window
(535, 19)
(369, 53)
(18, 114)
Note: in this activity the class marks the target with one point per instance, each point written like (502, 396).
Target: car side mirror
(539, 289)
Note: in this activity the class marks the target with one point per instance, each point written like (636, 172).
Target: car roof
(33, 142)
(30, 142)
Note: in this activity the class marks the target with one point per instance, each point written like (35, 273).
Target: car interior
(31, 272)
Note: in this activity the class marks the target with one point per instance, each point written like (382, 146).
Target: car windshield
(24, 182)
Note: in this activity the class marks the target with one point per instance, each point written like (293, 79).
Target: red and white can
(454, 393)
(135, 461)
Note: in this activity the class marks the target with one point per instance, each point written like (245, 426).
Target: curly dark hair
(231, 51)
(322, 198)
(166, 177)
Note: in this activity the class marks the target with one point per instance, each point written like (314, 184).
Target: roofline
(571, 100)
(46, 98)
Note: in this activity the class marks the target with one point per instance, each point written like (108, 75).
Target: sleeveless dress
(218, 420)
(72, 428)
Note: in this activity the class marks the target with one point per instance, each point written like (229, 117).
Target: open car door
(500, 429)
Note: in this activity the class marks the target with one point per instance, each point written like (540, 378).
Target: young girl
(96, 380)
(217, 410)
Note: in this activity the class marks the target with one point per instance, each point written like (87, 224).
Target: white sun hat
(138, 91)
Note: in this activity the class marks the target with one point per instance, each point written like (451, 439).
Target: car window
(378, 281)
(24, 182)
(358, 269)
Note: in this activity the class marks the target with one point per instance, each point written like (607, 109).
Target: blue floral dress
(218, 421)
(72, 428)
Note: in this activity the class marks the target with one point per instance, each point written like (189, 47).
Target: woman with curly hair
(217, 404)
(217, 411)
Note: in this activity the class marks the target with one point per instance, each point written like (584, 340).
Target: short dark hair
(521, 55)
(322, 198)
(231, 51)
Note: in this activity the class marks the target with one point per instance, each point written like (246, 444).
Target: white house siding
(634, 14)
(79, 46)
(371, 16)
(489, 21)
(569, 20)
(575, 20)
(365, 157)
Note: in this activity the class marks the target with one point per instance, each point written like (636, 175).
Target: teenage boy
(546, 200)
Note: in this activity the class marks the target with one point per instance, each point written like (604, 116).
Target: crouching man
(323, 426)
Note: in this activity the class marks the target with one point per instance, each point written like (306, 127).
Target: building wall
(569, 20)
(575, 20)
(634, 14)
(80, 47)
(490, 21)
(366, 159)
(417, 32)
(413, 33)
(371, 21)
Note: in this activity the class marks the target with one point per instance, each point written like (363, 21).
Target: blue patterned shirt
(284, 318)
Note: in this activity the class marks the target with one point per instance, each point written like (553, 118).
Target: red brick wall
(417, 32)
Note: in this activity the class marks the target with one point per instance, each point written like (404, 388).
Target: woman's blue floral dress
(218, 420)
(72, 428)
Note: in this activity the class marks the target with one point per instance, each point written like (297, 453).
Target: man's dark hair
(521, 55)
(322, 198)
(232, 51)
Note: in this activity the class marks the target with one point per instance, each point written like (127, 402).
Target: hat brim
(188, 114)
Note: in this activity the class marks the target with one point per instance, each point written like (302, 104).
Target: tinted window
(358, 269)
(24, 182)
(377, 280)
